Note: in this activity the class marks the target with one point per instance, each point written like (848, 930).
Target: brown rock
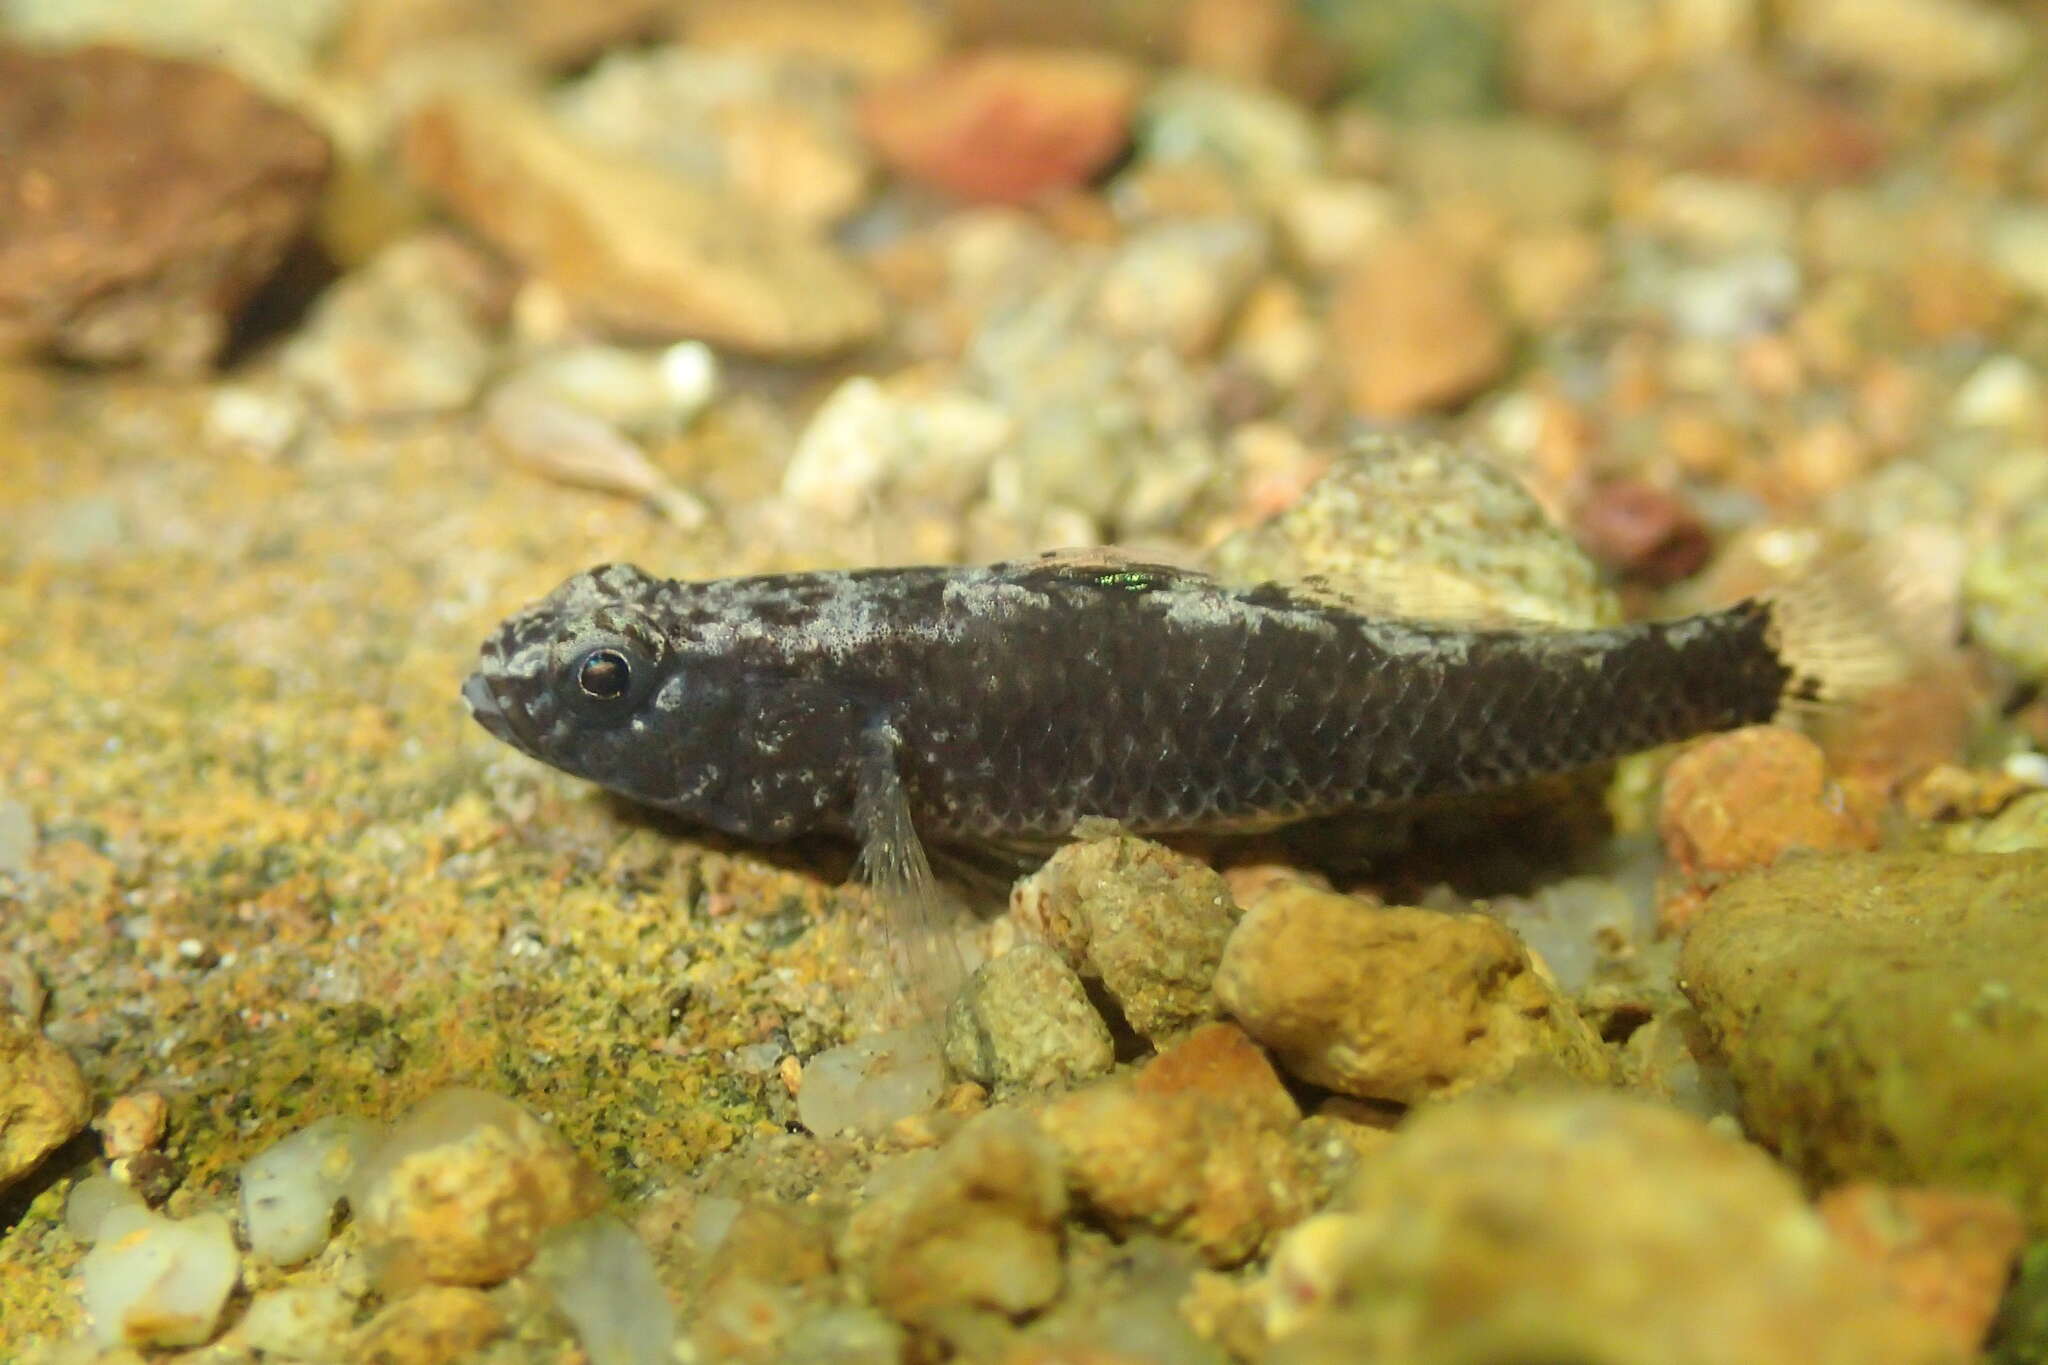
(43, 1098)
(635, 250)
(1744, 799)
(1556, 1229)
(1414, 330)
(1396, 1003)
(1945, 1255)
(142, 201)
(1198, 1147)
(1005, 125)
(977, 1228)
(462, 1190)
(437, 1326)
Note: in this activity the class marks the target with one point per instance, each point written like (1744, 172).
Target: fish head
(585, 681)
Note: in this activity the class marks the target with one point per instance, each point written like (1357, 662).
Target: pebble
(1412, 527)
(290, 1189)
(636, 251)
(156, 1282)
(1947, 1256)
(1643, 533)
(464, 1187)
(43, 1098)
(263, 422)
(541, 36)
(1396, 1003)
(1252, 135)
(868, 441)
(295, 1322)
(147, 199)
(1330, 221)
(1535, 174)
(133, 1124)
(1199, 1147)
(604, 1281)
(2016, 246)
(1744, 799)
(1739, 296)
(2002, 394)
(1414, 331)
(1882, 1014)
(19, 837)
(1553, 1229)
(775, 132)
(437, 1325)
(1943, 44)
(1146, 922)
(1024, 1023)
(91, 1200)
(1179, 283)
(867, 40)
(2020, 826)
(866, 1085)
(560, 441)
(1004, 124)
(972, 1226)
(407, 335)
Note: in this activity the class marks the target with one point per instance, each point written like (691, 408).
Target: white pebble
(2003, 393)
(262, 423)
(866, 1085)
(602, 1278)
(289, 1190)
(302, 1322)
(2030, 768)
(689, 372)
(151, 1281)
(91, 1200)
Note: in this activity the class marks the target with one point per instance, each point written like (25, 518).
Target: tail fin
(1870, 621)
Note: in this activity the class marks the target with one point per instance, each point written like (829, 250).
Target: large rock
(1581, 1228)
(143, 201)
(1885, 1016)
(636, 250)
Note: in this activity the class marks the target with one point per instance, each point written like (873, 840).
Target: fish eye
(604, 675)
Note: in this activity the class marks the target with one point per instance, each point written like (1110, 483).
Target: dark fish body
(1012, 701)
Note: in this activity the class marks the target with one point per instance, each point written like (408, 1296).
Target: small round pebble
(43, 1098)
(289, 1190)
(868, 1084)
(603, 1279)
(465, 1186)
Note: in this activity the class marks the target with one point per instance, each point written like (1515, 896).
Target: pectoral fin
(894, 865)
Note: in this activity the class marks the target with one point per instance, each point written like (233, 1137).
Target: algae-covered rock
(1885, 1016)
(1581, 1228)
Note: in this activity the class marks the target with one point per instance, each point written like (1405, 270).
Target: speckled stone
(1024, 1022)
